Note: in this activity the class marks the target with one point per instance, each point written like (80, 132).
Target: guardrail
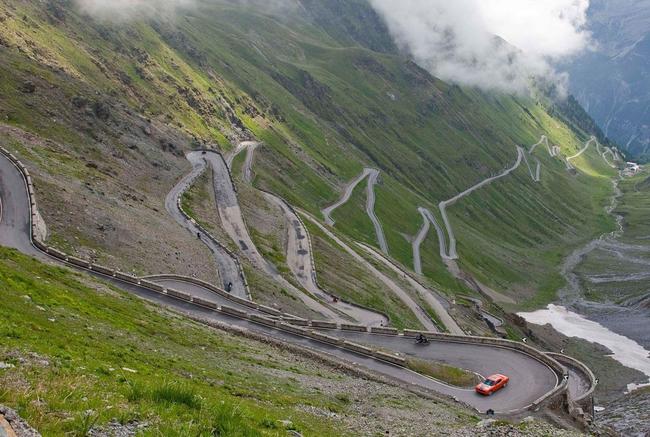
(283, 325)
(584, 402)
(223, 293)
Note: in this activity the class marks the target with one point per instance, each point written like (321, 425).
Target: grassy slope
(483, 142)
(89, 353)
(633, 205)
(325, 107)
(340, 274)
(89, 336)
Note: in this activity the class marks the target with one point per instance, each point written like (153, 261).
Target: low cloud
(127, 10)
(124, 10)
(492, 44)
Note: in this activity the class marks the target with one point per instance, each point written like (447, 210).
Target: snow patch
(624, 350)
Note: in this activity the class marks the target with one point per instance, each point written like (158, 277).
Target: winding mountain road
(583, 150)
(432, 298)
(233, 224)
(347, 193)
(299, 251)
(370, 210)
(452, 254)
(300, 258)
(530, 377)
(536, 174)
(229, 269)
(372, 175)
(418, 240)
(543, 139)
(406, 299)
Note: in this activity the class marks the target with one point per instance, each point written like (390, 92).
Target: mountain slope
(94, 357)
(612, 82)
(327, 98)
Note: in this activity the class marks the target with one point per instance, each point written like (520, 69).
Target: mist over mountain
(613, 81)
(494, 45)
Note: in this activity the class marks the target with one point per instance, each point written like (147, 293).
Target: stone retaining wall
(349, 327)
(384, 330)
(181, 295)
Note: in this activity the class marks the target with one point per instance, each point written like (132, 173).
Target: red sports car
(492, 384)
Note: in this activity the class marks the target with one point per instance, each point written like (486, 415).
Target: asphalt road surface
(389, 283)
(444, 204)
(228, 267)
(372, 175)
(431, 297)
(370, 210)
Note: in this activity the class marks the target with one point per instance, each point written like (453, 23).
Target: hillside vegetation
(78, 354)
(327, 97)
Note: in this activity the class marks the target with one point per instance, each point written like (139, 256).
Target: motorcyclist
(229, 287)
(420, 339)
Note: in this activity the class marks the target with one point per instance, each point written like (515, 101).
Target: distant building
(631, 168)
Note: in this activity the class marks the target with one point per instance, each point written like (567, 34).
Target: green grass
(443, 372)
(91, 354)
(340, 274)
(634, 205)
(320, 103)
